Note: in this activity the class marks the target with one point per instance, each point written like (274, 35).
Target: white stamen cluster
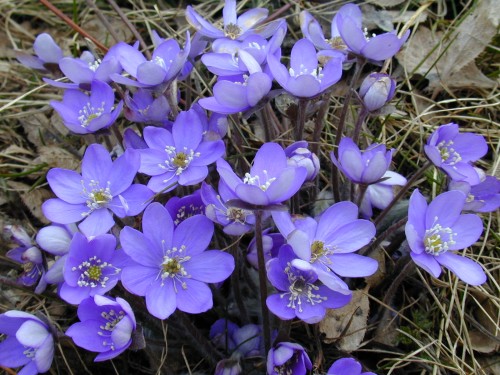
(316, 73)
(29, 352)
(255, 180)
(182, 215)
(367, 36)
(112, 319)
(300, 290)
(97, 197)
(448, 154)
(320, 253)
(91, 272)
(171, 266)
(438, 239)
(160, 62)
(94, 65)
(178, 161)
(89, 113)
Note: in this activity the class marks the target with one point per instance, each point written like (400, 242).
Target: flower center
(172, 268)
(89, 113)
(448, 154)
(300, 290)
(367, 36)
(232, 31)
(178, 161)
(316, 72)
(318, 251)
(288, 367)
(94, 65)
(29, 352)
(112, 319)
(337, 43)
(438, 239)
(94, 272)
(97, 197)
(255, 180)
(236, 214)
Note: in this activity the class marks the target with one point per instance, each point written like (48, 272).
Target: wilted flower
(362, 167)
(83, 114)
(483, 197)
(104, 185)
(436, 230)
(299, 292)
(233, 27)
(180, 156)
(106, 326)
(288, 358)
(326, 245)
(29, 342)
(298, 155)
(270, 180)
(453, 152)
(377, 90)
(305, 78)
(171, 265)
(347, 366)
(48, 54)
(92, 267)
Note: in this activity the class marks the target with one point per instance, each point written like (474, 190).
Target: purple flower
(30, 256)
(144, 107)
(245, 341)
(305, 78)
(380, 194)
(270, 181)
(288, 358)
(453, 152)
(180, 156)
(375, 47)
(347, 366)
(182, 208)
(104, 185)
(236, 221)
(325, 245)
(83, 114)
(82, 71)
(436, 230)
(298, 155)
(239, 93)
(271, 242)
(299, 293)
(29, 343)
(483, 197)
(106, 326)
(156, 74)
(56, 239)
(48, 54)
(362, 167)
(91, 268)
(233, 27)
(171, 265)
(377, 90)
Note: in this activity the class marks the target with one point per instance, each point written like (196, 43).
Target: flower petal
(427, 262)
(466, 269)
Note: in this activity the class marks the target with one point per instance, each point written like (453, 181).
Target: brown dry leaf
(56, 157)
(375, 279)
(346, 327)
(482, 343)
(490, 365)
(32, 199)
(454, 53)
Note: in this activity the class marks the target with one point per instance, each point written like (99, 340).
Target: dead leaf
(373, 18)
(375, 279)
(490, 365)
(32, 199)
(440, 58)
(482, 343)
(346, 327)
(57, 157)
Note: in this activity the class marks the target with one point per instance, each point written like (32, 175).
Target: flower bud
(376, 90)
(299, 156)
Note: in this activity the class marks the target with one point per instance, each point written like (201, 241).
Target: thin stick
(73, 25)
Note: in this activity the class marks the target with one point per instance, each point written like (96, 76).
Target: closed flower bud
(376, 90)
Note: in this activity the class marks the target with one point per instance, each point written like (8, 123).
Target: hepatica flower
(347, 366)
(326, 245)
(362, 167)
(453, 152)
(270, 180)
(48, 54)
(91, 268)
(483, 197)
(299, 155)
(288, 358)
(171, 266)
(435, 231)
(305, 78)
(84, 114)
(182, 208)
(299, 293)
(106, 326)
(180, 156)
(376, 90)
(29, 343)
(103, 188)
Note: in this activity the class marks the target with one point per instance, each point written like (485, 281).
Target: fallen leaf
(346, 327)
(32, 199)
(56, 157)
